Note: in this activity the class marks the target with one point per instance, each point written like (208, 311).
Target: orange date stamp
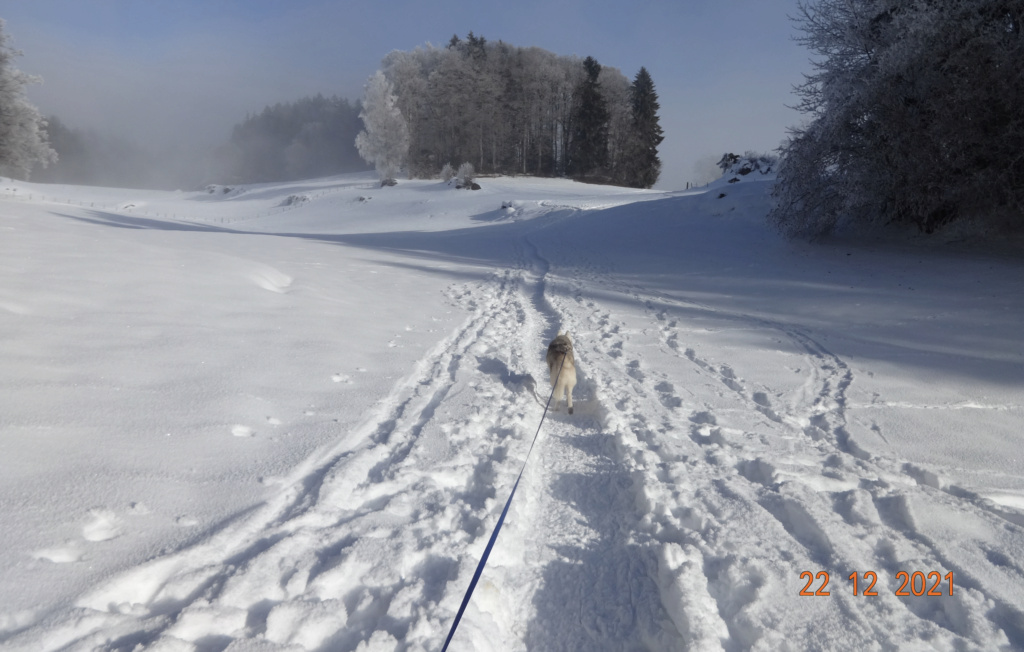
(917, 583)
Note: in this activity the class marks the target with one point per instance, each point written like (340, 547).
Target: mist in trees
(22, 136)
(515, 110)
(914, 117)
(87, 157)
(311, 137)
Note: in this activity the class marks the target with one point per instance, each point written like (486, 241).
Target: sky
(183, 72)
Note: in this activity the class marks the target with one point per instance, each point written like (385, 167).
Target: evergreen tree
(476, 46)
(22, 127)
(588, 153)
(643, 165)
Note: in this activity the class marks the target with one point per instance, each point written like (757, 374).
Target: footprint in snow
(273, 421)
(65, 554)
(342, 378)
(668, 395)
(138, 509)
(103, 525)
(634, 370)
(704, 418)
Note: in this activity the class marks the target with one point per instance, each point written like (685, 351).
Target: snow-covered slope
(287, 417)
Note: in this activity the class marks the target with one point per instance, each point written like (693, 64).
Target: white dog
(560, 357)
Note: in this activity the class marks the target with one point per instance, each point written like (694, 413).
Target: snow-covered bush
(734, 164)
(447, 172)
(465, 175)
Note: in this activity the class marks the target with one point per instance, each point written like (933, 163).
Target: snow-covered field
(287, 417)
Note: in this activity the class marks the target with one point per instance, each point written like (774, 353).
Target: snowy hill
(287, 417)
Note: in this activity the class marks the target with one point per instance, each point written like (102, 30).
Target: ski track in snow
(674, 510)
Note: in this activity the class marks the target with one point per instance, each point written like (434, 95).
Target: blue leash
(501, 519)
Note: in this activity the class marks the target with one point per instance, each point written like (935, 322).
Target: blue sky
(186, 71)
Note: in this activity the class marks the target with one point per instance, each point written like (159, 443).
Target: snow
(287, 417)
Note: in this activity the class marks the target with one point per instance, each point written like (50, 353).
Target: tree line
(310, 137)
(522, 110)
(87, 157)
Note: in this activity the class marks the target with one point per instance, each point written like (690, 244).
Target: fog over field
(173, 78)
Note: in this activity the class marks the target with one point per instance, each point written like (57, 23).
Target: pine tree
(385, 141)
(643, 167)
(22, 127)
(588, 153)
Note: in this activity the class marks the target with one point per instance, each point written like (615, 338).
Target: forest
(499, 108)
(524, 110)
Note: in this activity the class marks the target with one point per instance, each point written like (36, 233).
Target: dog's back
(562, 367)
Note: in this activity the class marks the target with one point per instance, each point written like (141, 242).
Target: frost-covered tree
(465, 175)
(384, 142)
(447, 172)
(506, 109)
(913, 116)
(22, 128)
